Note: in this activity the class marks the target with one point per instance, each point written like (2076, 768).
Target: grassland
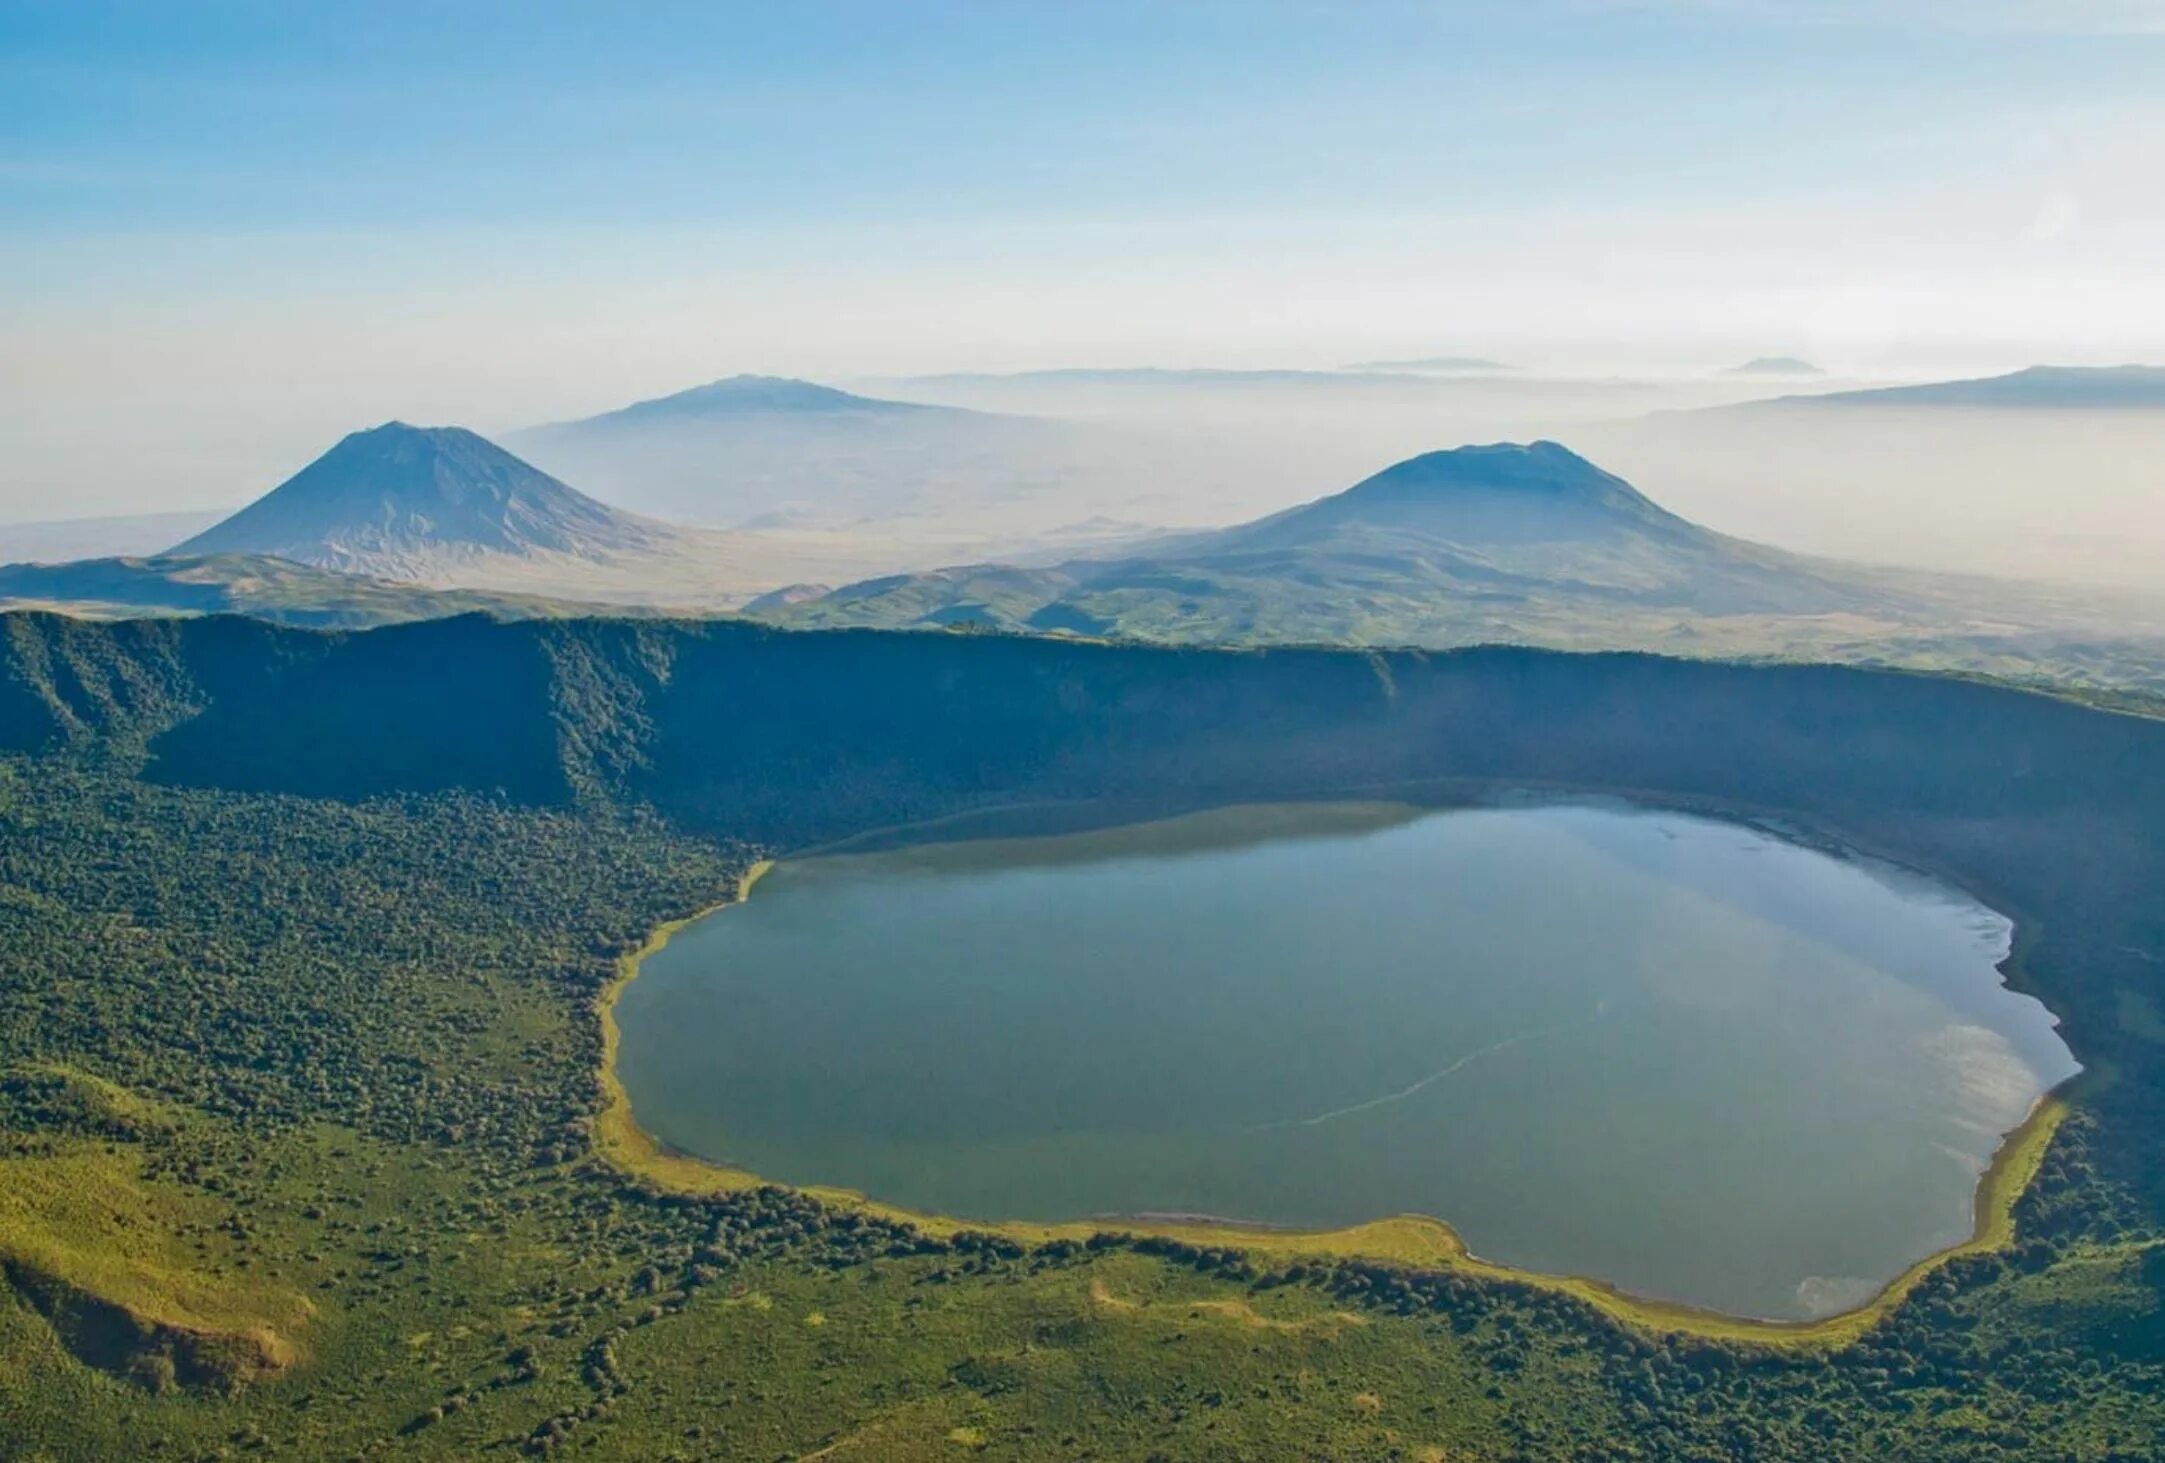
(82, 1230)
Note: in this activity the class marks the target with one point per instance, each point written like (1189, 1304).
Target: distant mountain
(442, 507)
(1164, 377)
(737, 396)
(766, 451)
(1528, 544)
(1440, 365)
(426, 503)
(249, 584)
(2038, 388)
(1775, 366)
(1504, 501)
(783, 598)
(1182, 394)
(59, 540)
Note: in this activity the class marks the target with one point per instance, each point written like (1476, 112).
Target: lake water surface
(1683, 1055)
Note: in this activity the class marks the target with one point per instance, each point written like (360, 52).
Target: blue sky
(291, 213)
(210, 117)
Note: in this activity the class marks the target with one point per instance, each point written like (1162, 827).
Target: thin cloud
(2032, 17)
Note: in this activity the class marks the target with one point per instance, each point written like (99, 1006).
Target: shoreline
(1418, 1241)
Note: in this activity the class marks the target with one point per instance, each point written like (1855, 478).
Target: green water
(1682, 1055)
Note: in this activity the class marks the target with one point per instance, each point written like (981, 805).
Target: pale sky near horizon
(230, 232)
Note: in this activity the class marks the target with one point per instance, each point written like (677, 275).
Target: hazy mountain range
(2048, 473)
(1428, 378)
(827, 485)
(1440, 365)
(444, 507)
(1434, 364)
(765, 452)
(60, 540)
(2037, 388)
(1775, 366)
(1444, 548)
(1530, 544)
(1508, 544)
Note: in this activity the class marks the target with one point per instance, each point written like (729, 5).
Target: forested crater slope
(786, 736)
(782, 739)
(306, 935)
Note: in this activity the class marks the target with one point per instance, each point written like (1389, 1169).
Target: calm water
(1682, 1055)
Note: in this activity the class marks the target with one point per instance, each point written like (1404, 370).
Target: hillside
(1535, 513)
(777, 735)
(443, 508)
(258, 585)
(1521, 544)
(1484, 542)
(419, 503)
(300, 1094)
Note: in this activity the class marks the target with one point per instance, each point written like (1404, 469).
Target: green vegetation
(304, 940)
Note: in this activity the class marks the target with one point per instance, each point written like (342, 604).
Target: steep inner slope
(783, 736)
(380, 999)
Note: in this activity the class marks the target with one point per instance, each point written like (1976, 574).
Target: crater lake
(1687, 1056)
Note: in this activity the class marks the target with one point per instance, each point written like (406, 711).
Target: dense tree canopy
(302, 936)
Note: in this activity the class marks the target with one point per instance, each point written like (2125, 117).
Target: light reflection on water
(1680, 1054)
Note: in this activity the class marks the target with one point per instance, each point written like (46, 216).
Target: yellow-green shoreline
(1416, 1240)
